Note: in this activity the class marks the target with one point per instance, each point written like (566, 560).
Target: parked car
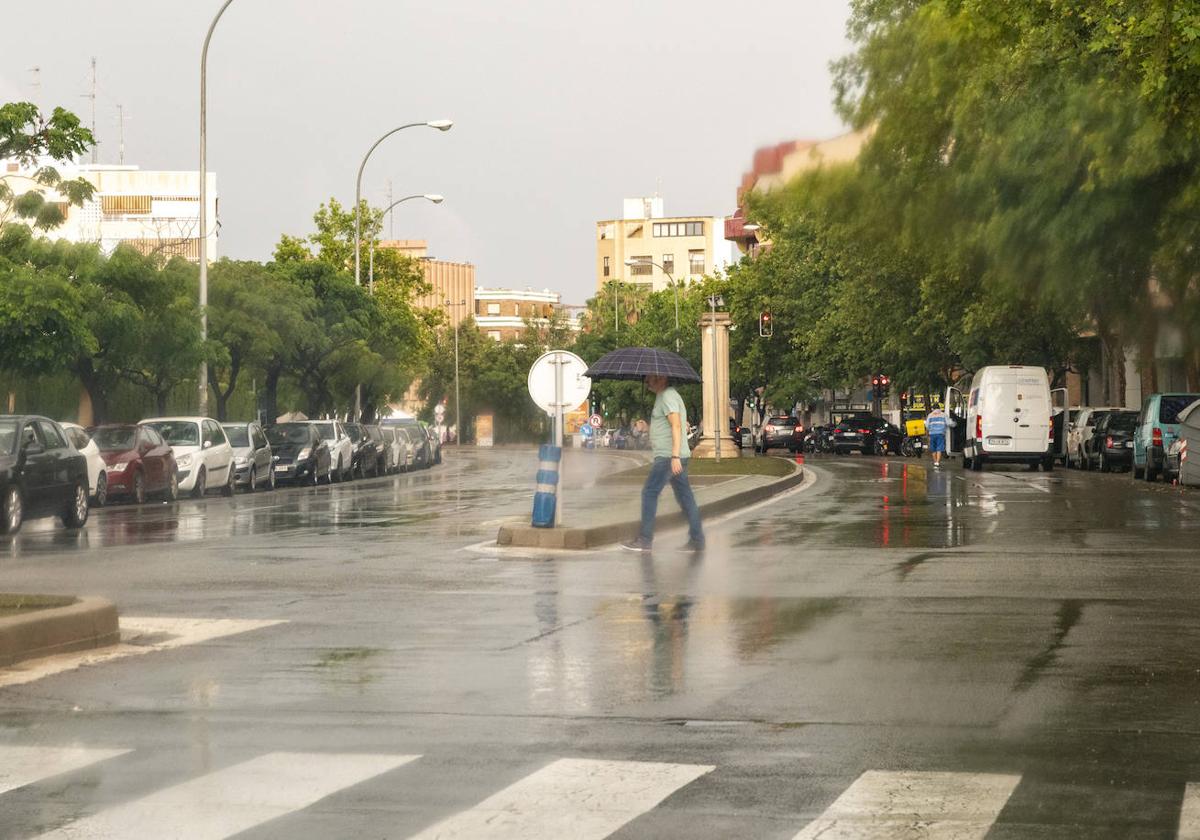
(1158, 426)
(341, 448)
(252, 458)
(435, 443)
(365, 453)
(422, 447)
(97, 469)
(299, 454)
(41, 474)
(867, 434)
(202, 453)
(779, 432)
(401, 450)
(1009, 418)
(140, 462)
(1111, 445)
(1181, 464)
(1079, 430)
(385, 459)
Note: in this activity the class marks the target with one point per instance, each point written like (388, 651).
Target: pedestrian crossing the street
(578, 798)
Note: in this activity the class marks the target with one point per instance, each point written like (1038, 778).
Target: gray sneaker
(692, 547)
(636, 544)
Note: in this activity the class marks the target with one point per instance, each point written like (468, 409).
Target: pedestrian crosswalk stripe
(914, 806)
(578, 798)
(234, 799)
(1189, 817)
(20, 766)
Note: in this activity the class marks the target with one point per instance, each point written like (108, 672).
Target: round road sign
(544, 373)
(596, 420)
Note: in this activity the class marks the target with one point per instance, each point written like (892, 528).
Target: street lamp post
(458, 428)
(202, 377)
(440, 125)
(674, 288)
(718, 415)
(430, 197)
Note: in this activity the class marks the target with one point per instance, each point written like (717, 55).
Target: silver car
(251, 455)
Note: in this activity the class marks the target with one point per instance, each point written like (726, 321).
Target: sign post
(557, 384)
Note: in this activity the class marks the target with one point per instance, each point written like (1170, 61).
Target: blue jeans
(660, 474)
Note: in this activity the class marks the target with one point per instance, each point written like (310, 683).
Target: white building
(501, 314)
(157, 212)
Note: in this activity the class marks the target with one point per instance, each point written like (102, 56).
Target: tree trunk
(235, 366)
(160, 400)
(270, 393)
(89, 379)
(222, 404)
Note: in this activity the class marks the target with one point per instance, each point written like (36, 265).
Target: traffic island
(610, 511)
(33, 626)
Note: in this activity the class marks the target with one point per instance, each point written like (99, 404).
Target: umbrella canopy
(638, 362)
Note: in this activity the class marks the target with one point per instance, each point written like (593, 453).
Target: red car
(139, 462)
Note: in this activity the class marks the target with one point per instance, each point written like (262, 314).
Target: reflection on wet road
(995, 655)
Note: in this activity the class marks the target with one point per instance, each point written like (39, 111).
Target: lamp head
(440, 125)
(636, 262)
(751, 227)
(434, 197)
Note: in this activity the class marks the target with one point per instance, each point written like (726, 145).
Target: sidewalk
(603, 509)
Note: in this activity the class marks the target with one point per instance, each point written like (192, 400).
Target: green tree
(28, 137)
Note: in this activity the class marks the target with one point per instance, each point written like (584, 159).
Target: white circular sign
(543, 377)
(439, 410)
(596, 420)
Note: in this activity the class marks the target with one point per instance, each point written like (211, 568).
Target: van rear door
(1016, 412)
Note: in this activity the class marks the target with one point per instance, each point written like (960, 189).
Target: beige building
(684, 248)
(450, 281)
(502, 314)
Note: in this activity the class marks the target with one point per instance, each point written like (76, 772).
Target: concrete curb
(80, 624)
(526, 536)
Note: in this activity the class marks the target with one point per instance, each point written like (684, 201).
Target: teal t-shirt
(668, 402)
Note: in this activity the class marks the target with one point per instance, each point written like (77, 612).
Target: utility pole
(392, 220)
(36, 84)
(121, 129)
(92, 96)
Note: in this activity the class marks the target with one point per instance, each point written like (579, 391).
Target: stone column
(716, 382)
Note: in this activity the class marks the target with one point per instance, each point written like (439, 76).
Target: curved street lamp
(674, 287)
(440, 125)
(432, 198)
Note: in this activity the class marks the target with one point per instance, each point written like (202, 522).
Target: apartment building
(448, 280)
(683, 248)
(155, 211)
(501, 314)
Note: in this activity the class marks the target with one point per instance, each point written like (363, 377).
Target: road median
(597, 521)
(34, 626)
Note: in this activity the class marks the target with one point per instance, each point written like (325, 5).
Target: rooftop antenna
(92, 96)
(121, 129)
(36, 84)
(658, 187)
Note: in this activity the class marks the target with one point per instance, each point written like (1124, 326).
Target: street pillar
(714, 370)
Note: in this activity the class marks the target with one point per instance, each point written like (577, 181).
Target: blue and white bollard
(545, 498)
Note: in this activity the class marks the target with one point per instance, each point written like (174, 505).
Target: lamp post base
(706, 447)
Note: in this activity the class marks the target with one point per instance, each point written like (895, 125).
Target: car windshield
(178, 432)
(287, 433)
(8, 435)
(1122, 421)
(325, 430)
(1096, 416)
(238, 435)
(355, 433)
(114, 439)
(782, 421)
(1172, 404)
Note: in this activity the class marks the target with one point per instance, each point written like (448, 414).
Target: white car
(341, 448)
(97, 468)
(1081, 429)
(401, 458)
(202, 452)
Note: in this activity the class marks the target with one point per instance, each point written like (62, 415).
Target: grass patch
(768, 466)
(340, 656)
(14, 604)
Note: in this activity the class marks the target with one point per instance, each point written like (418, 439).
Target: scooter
(913, 447)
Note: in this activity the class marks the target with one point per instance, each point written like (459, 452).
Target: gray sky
(561, 109)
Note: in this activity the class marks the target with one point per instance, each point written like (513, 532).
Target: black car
(866, 433)
(383, 450)
(41, 474)
(300, 456)
(781, 432)
(365, 454)
(1111, 445)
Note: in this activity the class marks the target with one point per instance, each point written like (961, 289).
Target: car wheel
(139, 488)
(336, 473)
(231, 484)
(100, 499)
(76, 514)
(313, 478)
(1048, 465)
(252, 483)
(1152, 473)
(172, 492)
(12, 512)
(977, 463)
(201, 484)
(1103, 463)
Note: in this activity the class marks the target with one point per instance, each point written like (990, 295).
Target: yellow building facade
(683, 248)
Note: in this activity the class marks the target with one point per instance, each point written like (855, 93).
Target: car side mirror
(34, 449)
(206, 444)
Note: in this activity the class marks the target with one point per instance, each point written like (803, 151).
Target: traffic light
(766, 327)
(885, 386)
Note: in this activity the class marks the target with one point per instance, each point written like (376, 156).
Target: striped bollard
(545, 498)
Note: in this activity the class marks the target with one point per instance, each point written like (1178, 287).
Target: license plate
(851, 434)
(281, 469)
(993, 441)
(1129, 444)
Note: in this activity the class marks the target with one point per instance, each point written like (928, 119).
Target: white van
(1008, 417)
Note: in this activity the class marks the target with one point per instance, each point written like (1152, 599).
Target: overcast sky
(561, 109)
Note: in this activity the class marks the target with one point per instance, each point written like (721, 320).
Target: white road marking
(235, 799)
(138, 636)
(581, 799)
(914, 806)
(20, 766)
(1189, 817)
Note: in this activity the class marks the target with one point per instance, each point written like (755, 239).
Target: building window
(125, 205)
(679, 229)
(494, 335)
(668, 263)
(606, 268)
(695, 262)
(493, 309)
(641, 266)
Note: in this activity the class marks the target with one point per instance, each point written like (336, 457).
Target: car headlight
(184, 461)
(119, 467)
(304, 453)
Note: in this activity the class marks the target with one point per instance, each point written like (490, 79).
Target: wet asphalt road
(1037, 628)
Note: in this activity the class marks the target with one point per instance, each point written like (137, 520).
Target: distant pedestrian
(671, 455)
(936, 424)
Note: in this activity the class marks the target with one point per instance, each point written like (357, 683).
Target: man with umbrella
(668, 438)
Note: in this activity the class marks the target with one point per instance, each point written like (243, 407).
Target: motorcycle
(913, 447)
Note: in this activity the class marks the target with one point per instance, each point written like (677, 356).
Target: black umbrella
(638, 362)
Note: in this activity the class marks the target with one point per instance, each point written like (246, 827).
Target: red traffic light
(883, 380)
